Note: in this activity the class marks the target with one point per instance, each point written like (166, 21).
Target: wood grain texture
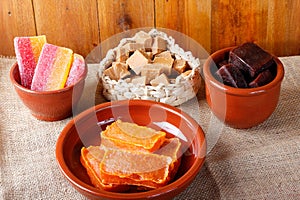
(116, 16)
(83, 24)
(68, 23)
(235, 22)
(271, 24)
(283, 27)
(191, 17)
(16, 19)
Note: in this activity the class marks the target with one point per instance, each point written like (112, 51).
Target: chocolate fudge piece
(231, 76)
(223, 62)
(251, 59)
(262, 79)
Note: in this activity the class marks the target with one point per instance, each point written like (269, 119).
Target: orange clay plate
(84, 130)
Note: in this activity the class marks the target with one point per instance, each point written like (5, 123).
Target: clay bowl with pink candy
(48, 105)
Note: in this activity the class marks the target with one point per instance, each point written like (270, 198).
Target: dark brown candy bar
(231, 76)
(224, 62)
(263, 78)
(251, 59)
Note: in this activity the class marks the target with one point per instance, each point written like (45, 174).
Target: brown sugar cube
(131, 47)
(117, 71)
(150, 71)
(159, 45)
(160, 79)
(121, 69)
(110, 73)
(122, 54)
(144, 38)
(180, 65)
(165, 54)
(136, 61)
(186, 73)
(149, 55)
(165, 64)
(139, 80)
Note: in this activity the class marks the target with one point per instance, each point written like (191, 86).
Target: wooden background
(83, 24)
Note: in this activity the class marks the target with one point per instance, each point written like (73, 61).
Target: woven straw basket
(179, 90)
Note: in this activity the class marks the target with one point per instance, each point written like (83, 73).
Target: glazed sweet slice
(52, 69)
(91, 158)
(77, 69)
(27, 51)
(133, 137)
(115, 169)
(171, 148)
(135, 168)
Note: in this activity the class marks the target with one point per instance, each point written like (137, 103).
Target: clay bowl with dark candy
(48, 105)
(84, 130)
(240, 107)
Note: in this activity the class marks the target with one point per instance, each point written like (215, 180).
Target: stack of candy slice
(118, 162)
(52, 69)
(27, 51)
(76, 70)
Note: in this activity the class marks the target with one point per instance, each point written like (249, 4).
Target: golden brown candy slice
(171, 147)
(133, 137)
(135, 168)
(91, 158)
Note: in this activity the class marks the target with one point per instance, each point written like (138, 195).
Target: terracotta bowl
(240, 107)
(85, 128)
(49, 105)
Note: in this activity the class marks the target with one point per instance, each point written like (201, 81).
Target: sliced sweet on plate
(133, 137)
(91, 158)
(171, 147)
(135, 168)
(121, 161)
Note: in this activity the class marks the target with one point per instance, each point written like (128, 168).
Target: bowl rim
(208, 77)
(27, 90)
(181, 182)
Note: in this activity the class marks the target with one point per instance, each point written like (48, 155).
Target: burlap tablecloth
(258, 163)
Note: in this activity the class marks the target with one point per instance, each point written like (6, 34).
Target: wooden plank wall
(83, 24)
